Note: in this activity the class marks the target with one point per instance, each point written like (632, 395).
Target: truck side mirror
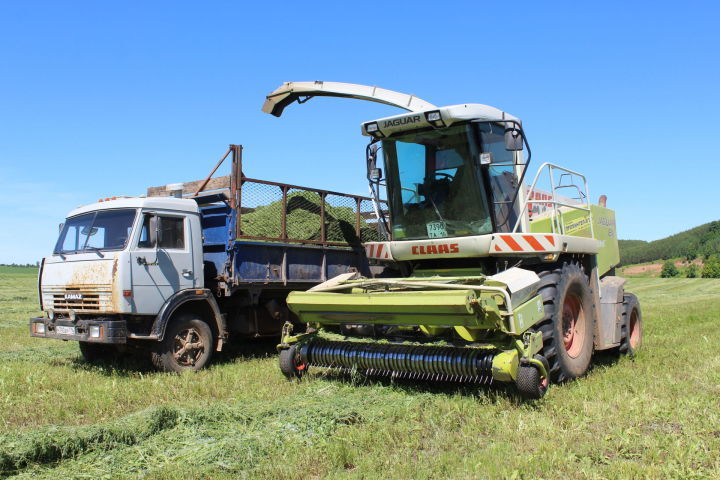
(60, 227)
(513, 140)
(153, 232)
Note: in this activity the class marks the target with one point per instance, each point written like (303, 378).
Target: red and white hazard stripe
(378, 251)
(523, 242)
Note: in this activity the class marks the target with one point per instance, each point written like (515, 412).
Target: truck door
(161, 269)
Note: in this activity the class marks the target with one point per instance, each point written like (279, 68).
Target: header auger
(480, 278)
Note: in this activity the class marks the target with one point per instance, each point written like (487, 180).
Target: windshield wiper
(95, 249)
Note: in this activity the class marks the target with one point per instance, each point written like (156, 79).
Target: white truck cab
(118, 260)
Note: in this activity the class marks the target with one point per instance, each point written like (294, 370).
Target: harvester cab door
(502, 176)
(163, 265)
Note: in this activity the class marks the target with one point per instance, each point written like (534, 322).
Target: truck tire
(631, 328)
(187, 345)
(568, 327)
(93, 352)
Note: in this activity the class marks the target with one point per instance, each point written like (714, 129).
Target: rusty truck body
(177, 273)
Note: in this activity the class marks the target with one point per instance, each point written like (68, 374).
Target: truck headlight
(39, 328)
(95, 331)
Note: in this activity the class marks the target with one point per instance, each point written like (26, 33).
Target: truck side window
(144, 241)
(172, 232)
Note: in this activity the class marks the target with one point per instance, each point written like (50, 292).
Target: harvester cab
(494, 280)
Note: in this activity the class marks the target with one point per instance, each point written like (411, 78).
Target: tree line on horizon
(701, 242)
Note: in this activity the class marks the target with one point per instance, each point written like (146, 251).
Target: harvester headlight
(371, 127)
(435, 119)
(95, 331)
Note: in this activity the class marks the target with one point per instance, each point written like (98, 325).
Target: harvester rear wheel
(631, 329)
(291, 365)
(568, 324)
(530, 384)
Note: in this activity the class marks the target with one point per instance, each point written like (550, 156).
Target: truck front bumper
(96, 330)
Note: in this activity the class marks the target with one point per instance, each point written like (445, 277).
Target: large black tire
(631, 328)
(568, 326)
(94, 352)
(290, 363)
(188, 345)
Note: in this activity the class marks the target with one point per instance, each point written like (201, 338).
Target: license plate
(436, 230)
(63, 330)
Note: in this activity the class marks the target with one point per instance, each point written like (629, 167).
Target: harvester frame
(468, 293)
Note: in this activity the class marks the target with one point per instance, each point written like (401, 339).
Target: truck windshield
(102, 230)
(434, 189)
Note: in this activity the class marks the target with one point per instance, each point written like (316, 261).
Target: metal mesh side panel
(341, 219)
(370, 228)
(261, 214)
(303, 215)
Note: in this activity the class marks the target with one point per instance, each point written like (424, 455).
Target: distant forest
(702, 241)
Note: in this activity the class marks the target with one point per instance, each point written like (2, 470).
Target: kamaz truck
(489, 279)
(179, 272)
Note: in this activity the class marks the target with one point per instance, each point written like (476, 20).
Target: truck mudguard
(181, 298)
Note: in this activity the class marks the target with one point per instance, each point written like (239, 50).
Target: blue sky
(100, 99)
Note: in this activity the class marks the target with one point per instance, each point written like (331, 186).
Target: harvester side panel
(577, 224)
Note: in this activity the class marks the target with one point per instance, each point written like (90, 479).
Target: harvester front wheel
(568, 324)
(291, 365)
(631, 329)
(530, 384)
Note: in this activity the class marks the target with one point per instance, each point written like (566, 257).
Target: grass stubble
(655, 416)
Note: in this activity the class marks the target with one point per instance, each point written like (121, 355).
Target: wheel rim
(188, 347)
(634, 330)
(544, 382)
(573, 325)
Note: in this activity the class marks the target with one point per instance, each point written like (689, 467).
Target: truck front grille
(89, 298)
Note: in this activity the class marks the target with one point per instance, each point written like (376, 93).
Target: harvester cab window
(433, 186)
(502, 175)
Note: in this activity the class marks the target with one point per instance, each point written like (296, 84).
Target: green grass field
(653, 417)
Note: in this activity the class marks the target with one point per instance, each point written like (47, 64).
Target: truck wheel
(290, 363)
(567, 327)
(529, 383)
(631, 329)
(188, 345)
(93, 352)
